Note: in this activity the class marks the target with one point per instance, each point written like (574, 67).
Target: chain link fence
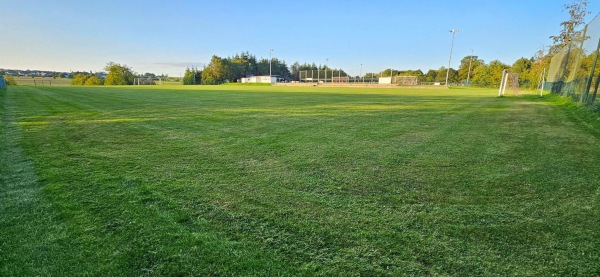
(575, 69)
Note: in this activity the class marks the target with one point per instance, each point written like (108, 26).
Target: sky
(165, 37)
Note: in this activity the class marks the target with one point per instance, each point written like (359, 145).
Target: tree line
(472, 69)
(117, 75)
(232, 69)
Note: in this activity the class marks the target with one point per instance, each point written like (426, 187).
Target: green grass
(171, 83)
(248, 84)
(236, 180)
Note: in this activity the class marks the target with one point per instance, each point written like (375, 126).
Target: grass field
(235, 180)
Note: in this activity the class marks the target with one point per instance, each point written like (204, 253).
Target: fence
(575, 70)
(340, 76)
(35, 82)
(325, 76)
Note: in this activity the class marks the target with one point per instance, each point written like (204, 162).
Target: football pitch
(264, 181)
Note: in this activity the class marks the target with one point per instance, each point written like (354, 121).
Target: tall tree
(192, 76)
(440, 75)
(531, 77)
(430, 76)
(489, 75)
(463, 69)
(216, 72)
(521, 65)
(577, 12)
(118, 75)
(295, 71)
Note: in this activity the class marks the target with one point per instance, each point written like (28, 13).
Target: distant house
(260, 79)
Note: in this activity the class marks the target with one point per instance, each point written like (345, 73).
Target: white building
(385, 80)
(260, 79)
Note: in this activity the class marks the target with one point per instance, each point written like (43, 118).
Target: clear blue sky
(166, 36)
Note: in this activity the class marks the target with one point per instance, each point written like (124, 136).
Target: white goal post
(509, 81)
(141, 81)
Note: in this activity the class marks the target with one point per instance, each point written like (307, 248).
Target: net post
(589, 83)
(505, 83)
(500, 91)
(543, 80)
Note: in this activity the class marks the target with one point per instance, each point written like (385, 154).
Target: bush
(94, 81)
(79, 80)
(118, 75)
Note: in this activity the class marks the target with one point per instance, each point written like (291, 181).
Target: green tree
(463, 69)
(118, 75)
(241, 65)
(530, 78)
(489, 75)
(192, 76)
(93, 81)
(521, 65)
(295, 71)
(430, 76)
(440, 75)
(79, 79)
(577, 12)
(216, 72)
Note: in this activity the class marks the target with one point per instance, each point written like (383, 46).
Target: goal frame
(510, 80)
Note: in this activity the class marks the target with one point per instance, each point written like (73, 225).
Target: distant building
(260, 79)
(385, 80)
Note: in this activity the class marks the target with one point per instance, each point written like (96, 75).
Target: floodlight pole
(470, 60)
(360, 75)
(326, 61)
(270, 51)
(453, 31)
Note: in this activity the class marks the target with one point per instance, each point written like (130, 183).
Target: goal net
(405, 80)
(509, 83)
(340, 79)
(144, 81)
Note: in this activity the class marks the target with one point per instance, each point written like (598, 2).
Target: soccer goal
(340, 79)
(509, 81)
(144, 81)
(406, 80)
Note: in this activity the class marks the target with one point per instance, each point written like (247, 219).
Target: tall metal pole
(469, 74)
(270, 51)
(326, 61)
(453, 31)
(360, 75)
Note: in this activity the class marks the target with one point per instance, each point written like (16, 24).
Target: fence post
(589, 83)
(501, 83)
(595, 89)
